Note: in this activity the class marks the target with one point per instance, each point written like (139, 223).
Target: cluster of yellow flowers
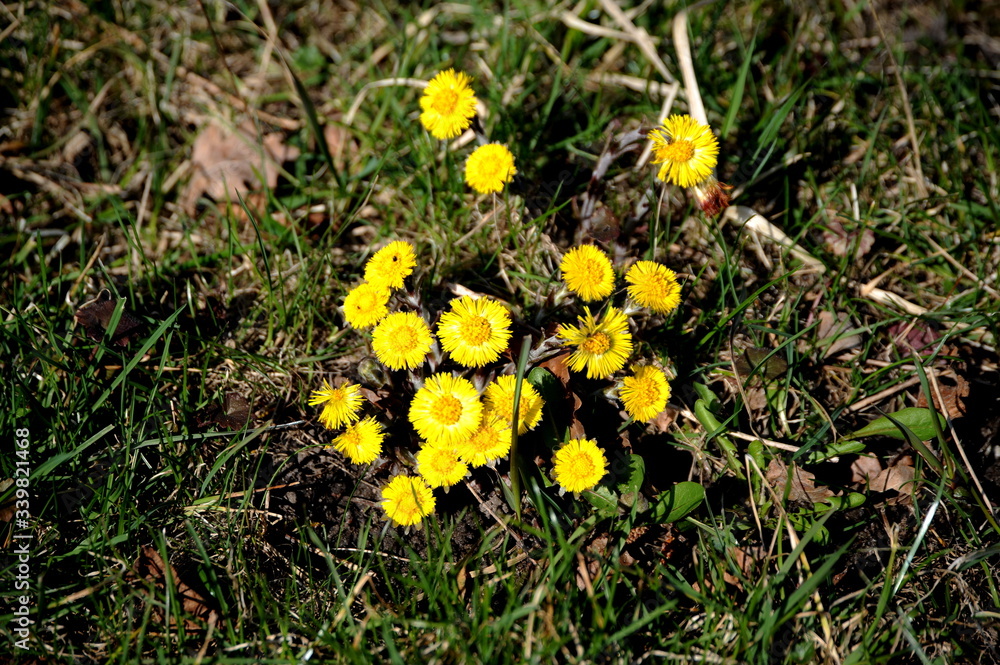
(459, 425)
(448, 106)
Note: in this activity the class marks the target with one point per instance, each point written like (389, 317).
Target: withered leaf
(897, 477)
(149, 565)
(230, 163)
(95, 317)
(803, 483)
(233, 414)
(751, 358)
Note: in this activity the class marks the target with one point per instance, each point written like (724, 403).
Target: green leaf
(918, 421)
(628, 489)
(603, 500)
(676, 503)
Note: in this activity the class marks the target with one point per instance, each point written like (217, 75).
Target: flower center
(597, 344)
(406, 339)
(582, 464)
(446, 101)
(646, 392)
(677, 151)
(475, 331)
(656, 286)
(448, 409)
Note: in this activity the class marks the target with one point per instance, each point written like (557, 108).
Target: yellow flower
(587, 272)
(446, 409)
(645, 395)
(448, 104)
(654, 286)
(474, 332)
(361, 442)
(489, 168)
(401, 340)
(340, 404)
(439, 466)
(603, 347)
(687, 150)
(365, 305)
(579, 465)
(499, 398)
(407, 500)
(489, 443)
(389, 266)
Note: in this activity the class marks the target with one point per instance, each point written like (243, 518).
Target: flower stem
(515, 475)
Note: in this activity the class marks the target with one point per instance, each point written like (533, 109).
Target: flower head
(499, 398)
(475, 332)
(402, 339)
(361, 442)
(687, 150)
(587, 272)
(446, 409)
(489, 443)
(340, 405)
(439, 466)
(579, 465)
(602, 346)
(654, 286)
(392, 264)
(448, 104)
(489, 168)
(407, 500)
(712, 195)
(646, 393)
(365, 305)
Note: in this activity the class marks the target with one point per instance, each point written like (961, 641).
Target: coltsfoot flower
(365, 305)
(446, 410)
(489, 443)
(499, 400)
(654, 286)
(340, 405)
(448, 104)
(489, 168)
(476, 331)
(402, 339)
(391, 265)
(407, 500)
(602, 347)
(579, 465)
(361, 442)
(686, 150)
(440, 466)
(588, 273)
(645, 394)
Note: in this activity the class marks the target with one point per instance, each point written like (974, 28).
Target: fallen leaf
(149, 565)
(865, 468)
(803, 483)
(953, 390)
(839, 240)
(557, 365)
(897, 477)
(233, 414)
(229, 164)
(95, 317)
(835, 333)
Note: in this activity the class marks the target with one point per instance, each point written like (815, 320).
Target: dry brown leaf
(865, 468)
(662, 421)
(953, 391)
(150, 566)
(557, 365)
(839, 240)
(230, 164)
(837, 330)
(803, 483)
(95, 317)
(897, 477)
